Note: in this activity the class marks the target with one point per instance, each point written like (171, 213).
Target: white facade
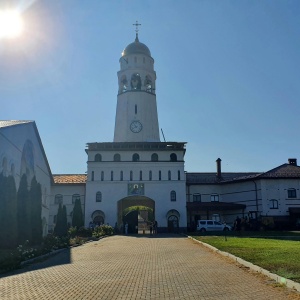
(136, 115)
(136, 157)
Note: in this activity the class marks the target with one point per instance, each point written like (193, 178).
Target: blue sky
(227, 77)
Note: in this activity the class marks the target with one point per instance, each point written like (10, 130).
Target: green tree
(64, 221)
(8, 216)
(11, 228)
(77, 218)
(35, 195)
(61, 226)
(23, 211)
(2, 206)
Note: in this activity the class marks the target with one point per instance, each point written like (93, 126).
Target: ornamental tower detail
(136, 114)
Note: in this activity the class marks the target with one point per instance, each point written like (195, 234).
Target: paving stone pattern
(138, 267)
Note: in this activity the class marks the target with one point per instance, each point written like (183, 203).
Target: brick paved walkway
(128, 267)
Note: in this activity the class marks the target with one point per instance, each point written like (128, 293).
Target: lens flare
(11, 25)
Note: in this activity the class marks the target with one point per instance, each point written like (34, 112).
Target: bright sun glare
(11, 24)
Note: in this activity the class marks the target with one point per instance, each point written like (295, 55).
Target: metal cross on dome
(137, 27)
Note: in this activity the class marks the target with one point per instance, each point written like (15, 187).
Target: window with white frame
(98, 197)
(216, 217)
(214, 198)
(173, 196)
(196, 197)
(58, 199)
(273, 204)
(292, 193)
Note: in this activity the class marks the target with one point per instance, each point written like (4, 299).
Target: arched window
(173, 157)
(169, 175)
(131, 175)
(136, 82)
(148, 83)
(178, 175)
(173, 196)
(123, 84)
(135, 157)
(75, 197)
(121, 175)
(98, 197)
(150, 175)
(98, 157)
(141, 175)
(117, 157)
(92, 176)
(102, 175)
(154, 157)
(112, 175)
(159, 175)
(292, 193)
(273, 204)
(58, 199)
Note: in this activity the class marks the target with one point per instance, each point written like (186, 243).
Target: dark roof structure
(287, 171)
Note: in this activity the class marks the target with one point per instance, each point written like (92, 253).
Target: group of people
(153, 227)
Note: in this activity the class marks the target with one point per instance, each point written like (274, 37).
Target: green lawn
(278, 255)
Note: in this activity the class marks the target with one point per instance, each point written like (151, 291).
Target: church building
(137, 169)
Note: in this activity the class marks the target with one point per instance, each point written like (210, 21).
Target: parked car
(210, 225)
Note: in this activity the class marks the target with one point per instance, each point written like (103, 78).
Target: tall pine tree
(35, 195)
(61, 227)
(77, 218)
(2, 206)
(11, 228)
(23, 211)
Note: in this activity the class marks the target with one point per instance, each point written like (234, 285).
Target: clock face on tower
(136, 126)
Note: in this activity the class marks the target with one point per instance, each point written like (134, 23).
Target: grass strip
(278, 256)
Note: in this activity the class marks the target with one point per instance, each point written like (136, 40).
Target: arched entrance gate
(137, 211)
(173, 217)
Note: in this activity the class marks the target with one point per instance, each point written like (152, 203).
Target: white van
(210, 225)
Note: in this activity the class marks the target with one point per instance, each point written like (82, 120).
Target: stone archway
(137, 211)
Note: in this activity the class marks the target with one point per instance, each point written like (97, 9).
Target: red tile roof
(70, 178)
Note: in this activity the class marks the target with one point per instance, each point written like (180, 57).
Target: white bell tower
(136, 115)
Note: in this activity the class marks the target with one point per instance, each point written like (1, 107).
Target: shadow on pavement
(61, 258)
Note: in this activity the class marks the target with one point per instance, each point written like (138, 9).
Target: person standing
(155, 227)
(126, 228)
